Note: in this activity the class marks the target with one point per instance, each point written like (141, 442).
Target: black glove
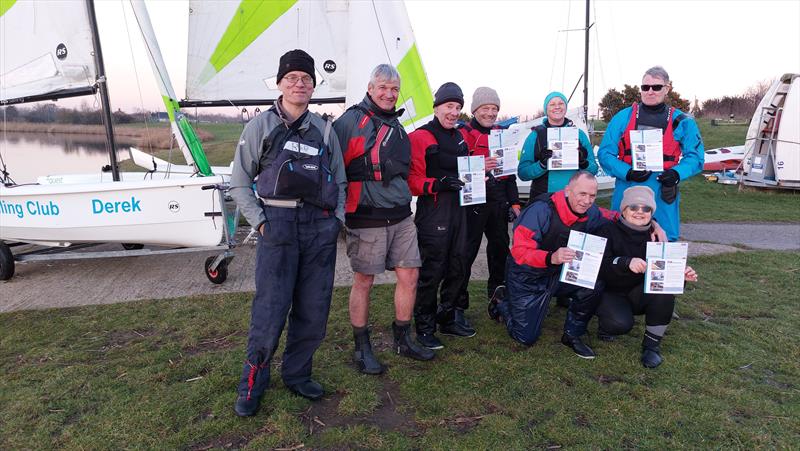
(512, 216)
(669, 177)
(669, 193)
(583, 158)
(545, 155)
(637, 176)
(447, 183)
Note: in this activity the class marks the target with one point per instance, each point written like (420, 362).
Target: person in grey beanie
(623, 271)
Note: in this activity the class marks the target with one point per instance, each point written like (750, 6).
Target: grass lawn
(162, 374)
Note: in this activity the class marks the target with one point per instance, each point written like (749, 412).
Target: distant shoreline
(154, 135)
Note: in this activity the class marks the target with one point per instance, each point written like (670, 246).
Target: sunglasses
(644, 208)
(655, 88)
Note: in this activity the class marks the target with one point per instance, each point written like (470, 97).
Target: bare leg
(404, 294)
(359, 298)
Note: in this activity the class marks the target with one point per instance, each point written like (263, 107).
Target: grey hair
(385, 72)
(657, 72)
(579, 174)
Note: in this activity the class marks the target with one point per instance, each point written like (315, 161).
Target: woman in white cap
(623, 271)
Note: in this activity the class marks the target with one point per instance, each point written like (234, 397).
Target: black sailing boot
(651, 351)
(579, 347)
(365, 360)
(405, 345)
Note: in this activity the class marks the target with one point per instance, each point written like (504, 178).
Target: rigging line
(136, 74)
(597, 46)
(566, 45)
(389, 58)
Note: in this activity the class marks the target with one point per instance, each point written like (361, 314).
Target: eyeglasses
(293, 79)
(655, 88)
(644, 208)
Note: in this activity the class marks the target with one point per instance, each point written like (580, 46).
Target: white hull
(153, 212)
(157, 168)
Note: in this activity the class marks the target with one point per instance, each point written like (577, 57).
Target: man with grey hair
(683, 149)
(380, 232)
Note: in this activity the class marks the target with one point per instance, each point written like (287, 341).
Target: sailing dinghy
(57, 54)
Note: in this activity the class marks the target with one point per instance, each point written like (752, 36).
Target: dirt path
(70, 283)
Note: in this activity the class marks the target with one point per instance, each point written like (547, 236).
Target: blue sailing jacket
(685, 133)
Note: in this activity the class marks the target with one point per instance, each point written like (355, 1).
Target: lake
(30, 155)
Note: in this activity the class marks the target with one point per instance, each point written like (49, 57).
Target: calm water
(30, 155)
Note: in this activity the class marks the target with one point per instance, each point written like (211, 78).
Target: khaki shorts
(376, 249)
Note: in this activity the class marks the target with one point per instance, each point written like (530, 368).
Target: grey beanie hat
(638, 195)
(484, 96)
(448, 92)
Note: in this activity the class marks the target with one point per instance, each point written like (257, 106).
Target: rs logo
(174, 206)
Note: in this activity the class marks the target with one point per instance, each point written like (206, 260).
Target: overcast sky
(710, 48)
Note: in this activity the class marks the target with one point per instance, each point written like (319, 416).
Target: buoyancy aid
(295, 164)
(672, 148)
(557, 235)
(386, 153)
(441, 160)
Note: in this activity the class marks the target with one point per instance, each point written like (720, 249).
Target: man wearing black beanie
(294, 158)
(441, 224)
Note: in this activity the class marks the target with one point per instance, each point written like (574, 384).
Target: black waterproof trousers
(616, 310)
(442, 237)
(295, 264)
(490, 219)
(528, 300)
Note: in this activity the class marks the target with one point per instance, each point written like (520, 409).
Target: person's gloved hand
(637, 176)
(670, 177)
(513, 213)
(669, 193)
(447, 183)
(544, 156)
(583, 158)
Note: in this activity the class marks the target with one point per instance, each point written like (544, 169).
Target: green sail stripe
(189, 135)
(415, 86)
(5, 5)
(250, 20)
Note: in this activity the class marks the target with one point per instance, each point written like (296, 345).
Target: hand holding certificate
(582, 270)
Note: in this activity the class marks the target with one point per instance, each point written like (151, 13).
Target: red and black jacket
(434, 153)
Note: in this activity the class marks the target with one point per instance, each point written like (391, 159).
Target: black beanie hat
(296, 60)
(448, 92)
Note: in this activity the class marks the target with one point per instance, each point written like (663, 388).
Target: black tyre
(6, 262)
(218, 275)
(132, 246)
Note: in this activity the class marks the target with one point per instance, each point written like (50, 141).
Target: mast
(103, 86)
(586, 68)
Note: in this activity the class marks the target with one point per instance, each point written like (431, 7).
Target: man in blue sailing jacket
(294, 158)
(683, 149)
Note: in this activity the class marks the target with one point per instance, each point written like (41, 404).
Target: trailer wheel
(132, 246)
(219, 274)
(6, 262)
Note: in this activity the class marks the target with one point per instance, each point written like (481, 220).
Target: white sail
(380, 32)
(52, 51)
(234, 47)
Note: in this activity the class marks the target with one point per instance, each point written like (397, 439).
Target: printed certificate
(666, 263)
(647, 150)
(563, 141)
(471, 171)
(583, 269)
(504, 145)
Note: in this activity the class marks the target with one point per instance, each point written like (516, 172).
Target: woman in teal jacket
(533, 162)
(683, 149)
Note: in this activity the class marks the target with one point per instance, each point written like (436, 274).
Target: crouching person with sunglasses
(622, 271)
(682, 149)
